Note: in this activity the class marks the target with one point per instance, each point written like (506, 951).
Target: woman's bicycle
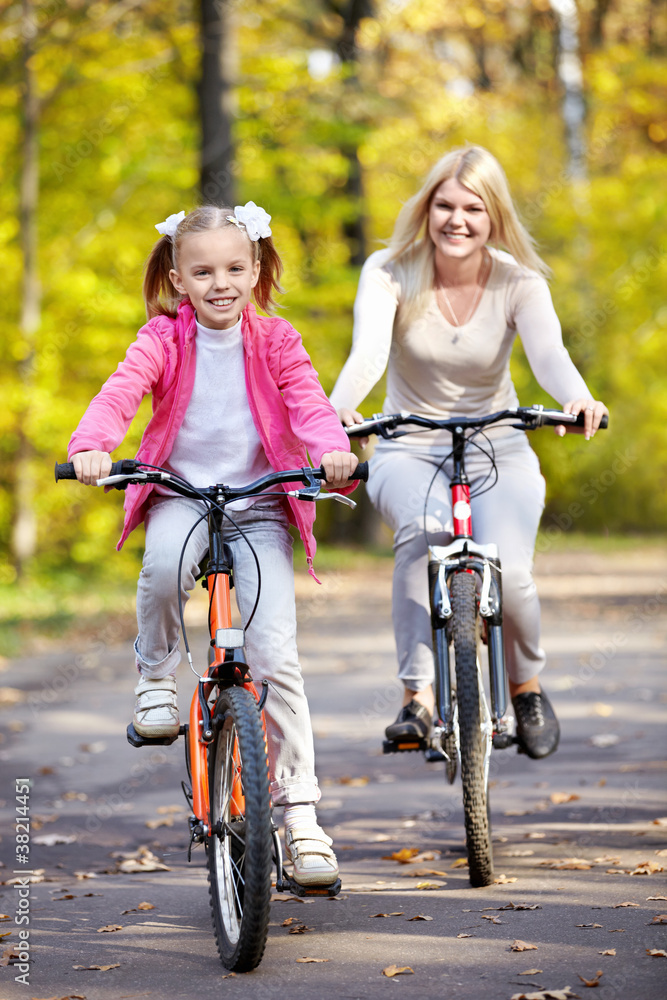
(465, 592)
(225, 739)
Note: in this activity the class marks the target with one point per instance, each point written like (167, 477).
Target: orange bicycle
(225, 739)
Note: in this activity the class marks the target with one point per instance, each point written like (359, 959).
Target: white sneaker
(309, 850)
(156, 708)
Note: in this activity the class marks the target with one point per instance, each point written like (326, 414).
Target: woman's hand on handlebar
(350, 417)
(339, 466)
(91, 466)
(593, 411)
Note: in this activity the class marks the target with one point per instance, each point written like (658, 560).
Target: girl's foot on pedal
(156, 707)
(308, 847)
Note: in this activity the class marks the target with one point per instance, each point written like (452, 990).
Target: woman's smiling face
(458, 222)
(217, 271)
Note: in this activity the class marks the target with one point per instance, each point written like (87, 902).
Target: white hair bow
(170, 225)
(253, 218)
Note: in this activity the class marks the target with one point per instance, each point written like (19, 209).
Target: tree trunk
(24, 528)
(570, 73)
(215, 104)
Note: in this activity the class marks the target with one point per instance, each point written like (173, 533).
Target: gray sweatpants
(508, 514)
(270, 639)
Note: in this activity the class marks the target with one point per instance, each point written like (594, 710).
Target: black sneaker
(537, 728)
(413, 720)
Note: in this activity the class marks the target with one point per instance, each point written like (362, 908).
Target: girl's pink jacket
(292, 414)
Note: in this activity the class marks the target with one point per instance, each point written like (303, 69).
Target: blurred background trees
(117, 113)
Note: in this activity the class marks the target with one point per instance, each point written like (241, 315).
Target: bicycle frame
(463, 554)
(226, 665)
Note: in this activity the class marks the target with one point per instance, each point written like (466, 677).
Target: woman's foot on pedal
(413, 721)
(309, 850)
(537, 729)
(156, 707)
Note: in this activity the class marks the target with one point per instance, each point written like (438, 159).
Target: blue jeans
(270, 640)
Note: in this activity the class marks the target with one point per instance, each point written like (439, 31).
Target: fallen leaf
(660, 918)
(607, 859)
(68, 895)
(354, 782)
(424, 886)
(617, 930)
(5, 916)
(617, 906)
(462, 935)
(37, 876)
(153, 824)
(97, 968)
(51, 839)
(10, 956)
(307, 959)
(588, 925)
(617, 871)
(609, 951)
(647, 868)
(566, 864)
(398, 913)
(288, 921)
(662, 854)
(530, 972)
(109, 928)
(593, 982)
(656, 953)
(395, 970)
(660, 821)
(141, 860)
(420, 916)
(558, 798)
(80, 876)
(494, 920)
(404, 856)
(527, 853)
(460, 863)
(654, 897)
(522, 946)
(145, 906)
(563, 994)
(4, 934)
(604, 740)
(424, 872)
(299, 929)
(534, 835)
(503, 880)
(520, 906)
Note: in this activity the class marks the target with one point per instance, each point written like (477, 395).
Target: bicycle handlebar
(129, 470)
(531, 417)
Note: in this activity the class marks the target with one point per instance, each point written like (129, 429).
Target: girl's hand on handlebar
(593, 413)
(339, 466)
(91, 466)
(350, 417)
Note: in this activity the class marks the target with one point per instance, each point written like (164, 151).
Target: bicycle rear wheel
(240, 850)
(473, 777)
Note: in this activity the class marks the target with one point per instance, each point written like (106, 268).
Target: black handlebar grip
(65, 470)
(361, 472)
(604, 423)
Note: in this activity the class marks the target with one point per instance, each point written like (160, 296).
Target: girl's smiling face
(217, 271)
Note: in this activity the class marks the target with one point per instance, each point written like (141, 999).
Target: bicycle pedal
(287, 884)
(501, 741)
(136, 740)
(404, 746)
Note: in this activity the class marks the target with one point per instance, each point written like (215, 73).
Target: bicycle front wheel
(240, 850)
(473, 771)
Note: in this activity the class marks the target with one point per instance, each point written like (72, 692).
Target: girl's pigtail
(271, 268)
(160, 296)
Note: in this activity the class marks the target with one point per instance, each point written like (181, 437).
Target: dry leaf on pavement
(520, 906)
(404, 856)
(299, 929)
(424, 873)
(420, 916)
(424, 886)
(558, 798)
(566, 864)
(617, 906)
(656, 953)
(588, 925)
(460, 863)
(396, 970)
(494, 920)
(97, 968)
(307, 959)
(463, 935)
(654, 897)
(522, 946)
(593, 982)
(503, 880)
(609, 951)
(530, 972)
(109, 928)
(660, 918)
(563, 994)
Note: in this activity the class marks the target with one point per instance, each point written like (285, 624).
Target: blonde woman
(440, 309)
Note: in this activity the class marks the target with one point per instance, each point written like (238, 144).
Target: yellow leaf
(404, 856)
(522, 946)
(593, 982)
(460, 863)
(558, 798)
(656, 953)
(307, 959)
(395, 970)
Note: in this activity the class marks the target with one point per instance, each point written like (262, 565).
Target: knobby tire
(239, 853)
(475, 804)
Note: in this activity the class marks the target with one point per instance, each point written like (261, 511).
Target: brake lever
(122, 478)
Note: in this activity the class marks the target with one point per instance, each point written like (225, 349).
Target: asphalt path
(580, 839)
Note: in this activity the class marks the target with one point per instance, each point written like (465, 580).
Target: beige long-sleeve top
(440, 370)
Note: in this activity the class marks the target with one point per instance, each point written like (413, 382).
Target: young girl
(235, 396)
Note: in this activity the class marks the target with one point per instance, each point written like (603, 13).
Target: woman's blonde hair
(160, 295)
(412, 252)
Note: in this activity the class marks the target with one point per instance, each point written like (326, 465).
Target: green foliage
(118, 151)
